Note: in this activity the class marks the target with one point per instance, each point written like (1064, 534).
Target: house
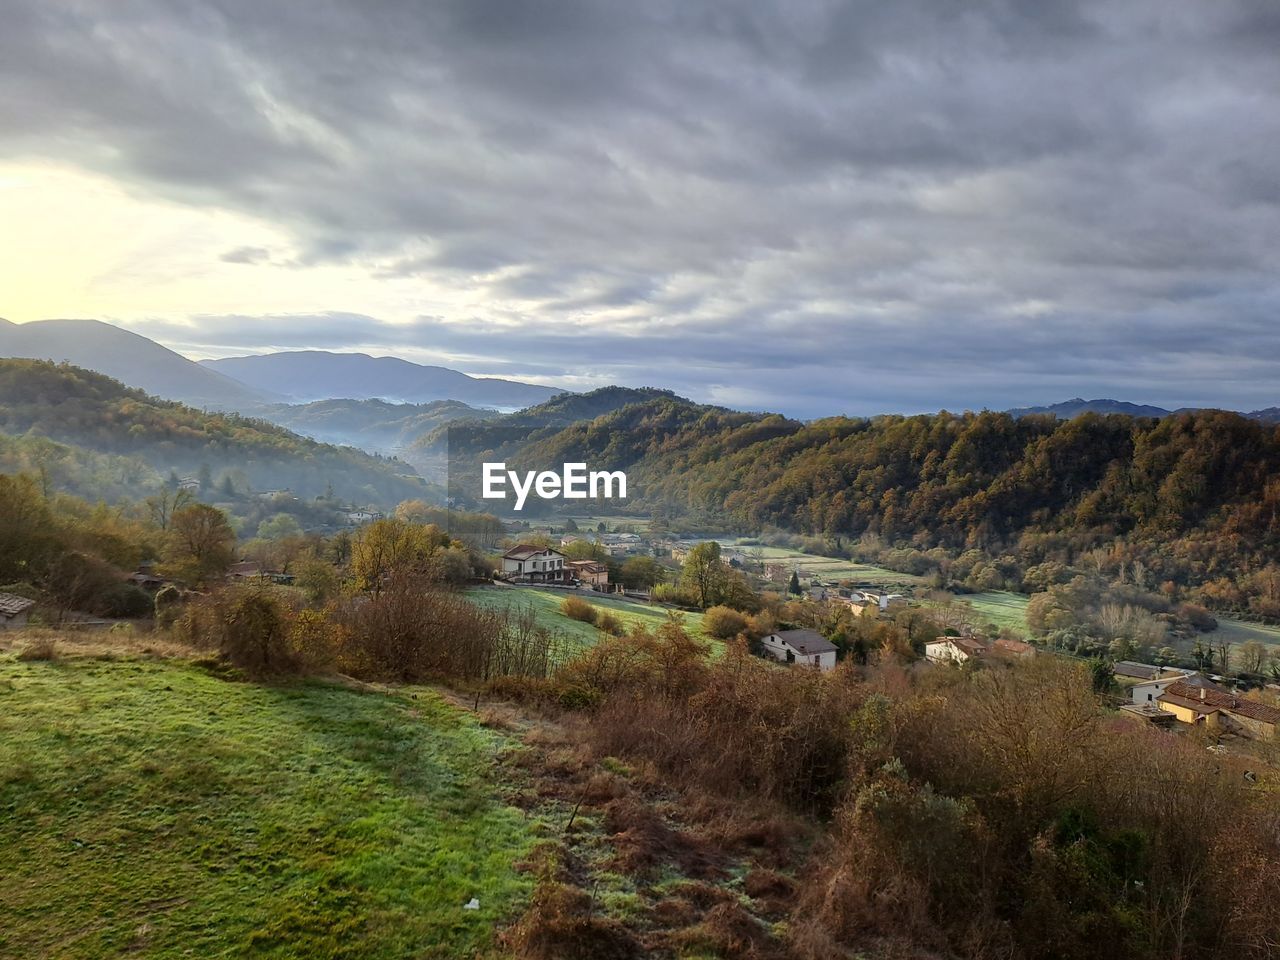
(245, 570)
(359, 517)
(1133, 670)
(147, 579)
(569, 538)
(777, 572)
(801, 646)
(956, 649)
(14, 611)
(591, 572)
(1012, 649)
(1209, 706)
(190, 484)
(1148, 691)
(533, 564)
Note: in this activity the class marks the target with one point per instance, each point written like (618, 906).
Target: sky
(809, 206)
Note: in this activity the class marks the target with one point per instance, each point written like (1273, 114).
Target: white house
(14, 611)
(534, 564)
(955, 649)
(359, 517)
(801, 646)
(1149, 691)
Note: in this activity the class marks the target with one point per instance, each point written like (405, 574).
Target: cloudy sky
(803, 205)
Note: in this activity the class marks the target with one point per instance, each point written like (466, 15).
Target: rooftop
(806, 641)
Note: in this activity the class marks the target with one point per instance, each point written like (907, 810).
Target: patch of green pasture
(546, 608)
(151, 809)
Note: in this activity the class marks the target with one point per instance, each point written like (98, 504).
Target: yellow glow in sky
(78, 245)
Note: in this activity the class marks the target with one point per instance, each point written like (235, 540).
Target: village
(1168, 697)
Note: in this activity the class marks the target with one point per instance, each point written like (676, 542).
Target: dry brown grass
(39, 648)
(97, 644)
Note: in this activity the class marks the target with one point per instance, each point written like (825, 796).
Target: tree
(166, 503)
(704, 573)
(793, 585)
(1103, 675)
(393, 548)
(279, 526)
(642, 573)
(1251, 656)
(199, 544)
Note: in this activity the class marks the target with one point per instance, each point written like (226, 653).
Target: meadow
(833, 568)
(160, 809)
(546, 608)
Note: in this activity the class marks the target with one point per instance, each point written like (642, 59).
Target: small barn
(14, 611)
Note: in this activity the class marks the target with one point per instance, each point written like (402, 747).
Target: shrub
(249, 624)
(610, 623)
(42, 648)
(723, 623)
(575, 608)
(124, 600)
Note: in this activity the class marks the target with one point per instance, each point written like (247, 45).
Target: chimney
(1203, 691)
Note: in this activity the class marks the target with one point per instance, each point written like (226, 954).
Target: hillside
(191, 814)
(132, 359)
(1192, 494)
(374, 426)
(69, 405)
(307, 375)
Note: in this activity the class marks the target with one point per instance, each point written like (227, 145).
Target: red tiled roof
(524, 551)
(1185, 695)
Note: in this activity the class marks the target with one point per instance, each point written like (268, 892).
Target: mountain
(41, 402)
(307, 375)
(1073, 408)
(374, 426)
(465, 439)
(132, 359)
(1268, 415)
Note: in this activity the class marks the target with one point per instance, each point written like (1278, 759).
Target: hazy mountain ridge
(1077, 406)
(82, 408)
(376, 426)
(310, 375)
(131, 359)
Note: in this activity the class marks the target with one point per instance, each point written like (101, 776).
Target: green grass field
(546, 607)
(832, 568)
(150, 808)
(1238, 631)
(1010, 610)
(1000, 607)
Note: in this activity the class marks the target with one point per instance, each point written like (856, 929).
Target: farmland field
(546, 607)
(833, 568)
(151, 808)
(1000, 607)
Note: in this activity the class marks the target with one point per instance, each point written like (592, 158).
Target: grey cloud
(807, 205)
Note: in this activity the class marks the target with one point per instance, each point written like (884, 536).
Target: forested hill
(75, 406)
(1203, 485)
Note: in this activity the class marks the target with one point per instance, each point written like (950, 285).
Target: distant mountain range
(132, 359)
(254, 384)
(307, 375)
(1069, 409)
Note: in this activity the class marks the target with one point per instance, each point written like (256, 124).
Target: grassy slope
(832, 568)
(546, 607)
(150, 807)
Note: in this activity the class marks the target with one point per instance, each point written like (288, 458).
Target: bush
(42, 648)
(124, 600)
(723, 623)
(249, 624)
(575, 608)
(610, 623)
